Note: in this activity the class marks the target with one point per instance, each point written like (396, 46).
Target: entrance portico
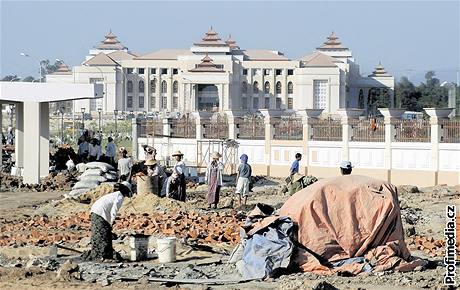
(32, 115)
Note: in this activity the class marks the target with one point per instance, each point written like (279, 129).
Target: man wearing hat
(346, 168)
(103, 213)
(156, 172)
(214, 179)
(178, 175)
(149, 153)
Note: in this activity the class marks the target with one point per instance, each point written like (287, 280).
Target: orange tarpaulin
(345, 217)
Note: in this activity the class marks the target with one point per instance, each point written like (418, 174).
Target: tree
(28, 79)
(426, 95)
(433, 95)
(9, 78)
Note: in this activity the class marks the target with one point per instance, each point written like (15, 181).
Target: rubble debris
(430, 246)
(68, 271)
(44, 231)
(62, 181)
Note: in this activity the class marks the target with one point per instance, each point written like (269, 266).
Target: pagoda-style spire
(379, 71)
(110, 42)
(211, 38)
(332, 42)
(206, 65)
(231, 43)
(63, 69)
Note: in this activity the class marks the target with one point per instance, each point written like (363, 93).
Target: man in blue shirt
(295, 164)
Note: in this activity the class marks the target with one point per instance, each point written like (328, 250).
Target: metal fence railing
(450, 131)
(290, 128)
(412, 130)
(325, 130)
(250, 127)
(184, 127)
(367, 130)
(150, 127)
(216, 127)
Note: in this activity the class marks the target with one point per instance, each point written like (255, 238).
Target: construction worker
(295, 165)
(346, 168)
(213, 179)
(243, 178)
(103, 214)
(110, 151)
(95, 151)
(149, 153)
(180, 171)
(125, 164)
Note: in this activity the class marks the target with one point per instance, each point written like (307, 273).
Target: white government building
(217, 75)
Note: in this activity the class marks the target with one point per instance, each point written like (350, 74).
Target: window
(244, 88)
(267, 103)
(319, 94)
(290, 72)
(255, 103)
(153, 71)
(267, 88)
(245, 72)
(164, 71)
(278, 103)
(130, 102)
(266, 72)
(255, 88)
(278, 87)
(256, 72)
(290, 88)
(152, 101)
(278, 72)
(175, 87)
(175, 102)
(164, 87)
(129, 71)
(130, 86)
(175, 71)
(141, 101)
(141, 86)
(140, 71)
(96, 80)
(164, 102)
(244, 103)
(153, 86)
(290, 103)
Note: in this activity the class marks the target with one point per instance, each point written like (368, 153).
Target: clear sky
(408, 37)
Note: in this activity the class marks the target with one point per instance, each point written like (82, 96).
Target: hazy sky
(408, 37)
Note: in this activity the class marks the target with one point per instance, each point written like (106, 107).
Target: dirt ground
(25, 266)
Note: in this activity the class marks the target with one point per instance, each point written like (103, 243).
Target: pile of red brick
(432, 247)
(43, 231)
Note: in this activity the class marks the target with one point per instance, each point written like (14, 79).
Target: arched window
(267, 88)
(141, 86)
(290, 88)
(244, 87)
(164, 87)
(153, 86)
(255, 87)
(175, 87)
(278, 87)
(130, 86)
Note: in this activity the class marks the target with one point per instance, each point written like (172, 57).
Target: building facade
(217, 75)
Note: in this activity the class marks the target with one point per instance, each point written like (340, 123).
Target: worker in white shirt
(95, 151)
(125, 164)
(179, 174)
(103, 214)
(110, 151)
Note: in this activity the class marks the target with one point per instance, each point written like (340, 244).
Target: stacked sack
(92, 174)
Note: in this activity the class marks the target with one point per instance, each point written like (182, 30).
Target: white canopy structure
(32, 119)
